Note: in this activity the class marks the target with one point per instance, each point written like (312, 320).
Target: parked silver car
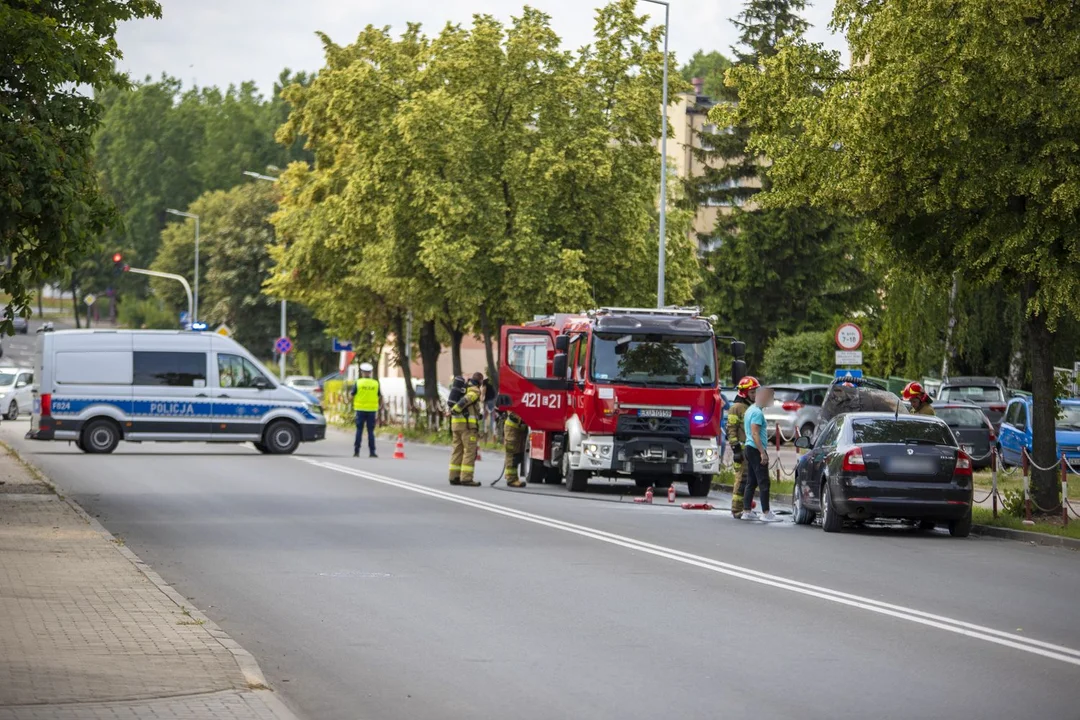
(795, 409)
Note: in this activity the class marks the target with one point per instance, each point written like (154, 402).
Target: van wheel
(13, 411)
(282, 438)
(261, 448)
(100, 436)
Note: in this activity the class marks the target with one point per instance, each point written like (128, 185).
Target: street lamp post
(284, 327)
(195, 305)
(663, 165)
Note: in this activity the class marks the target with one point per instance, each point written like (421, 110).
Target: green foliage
(478, 177)
(786, 272)
(801, 353)
(958, 150)
(51, 207)
(147, 314)
(710, 67)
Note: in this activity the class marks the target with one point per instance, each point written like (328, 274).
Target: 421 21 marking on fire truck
(541, 400)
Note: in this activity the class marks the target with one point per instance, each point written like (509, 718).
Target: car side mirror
(261, 383)
(803, 442)
(562, 343)
(558, 365)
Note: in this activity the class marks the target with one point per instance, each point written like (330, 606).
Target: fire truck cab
(617, 393)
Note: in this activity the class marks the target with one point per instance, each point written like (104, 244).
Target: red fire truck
(617, 393)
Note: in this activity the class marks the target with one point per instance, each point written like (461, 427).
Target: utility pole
(663, 166)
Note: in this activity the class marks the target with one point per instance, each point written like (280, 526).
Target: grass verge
(428, 437)
(1046, 526)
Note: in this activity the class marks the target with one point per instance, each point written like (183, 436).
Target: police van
(98, 387)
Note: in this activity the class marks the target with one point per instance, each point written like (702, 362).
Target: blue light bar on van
(198, 326)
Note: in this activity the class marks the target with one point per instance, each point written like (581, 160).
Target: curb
(249, 667)
(1025, 536)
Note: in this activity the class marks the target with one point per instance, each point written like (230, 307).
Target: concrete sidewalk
(88, 631)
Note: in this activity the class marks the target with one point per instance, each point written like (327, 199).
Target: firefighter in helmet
(920, 401)
(514, 434)
(465, 427)
(736, 436)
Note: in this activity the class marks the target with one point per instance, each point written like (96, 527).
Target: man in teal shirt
(757, 457)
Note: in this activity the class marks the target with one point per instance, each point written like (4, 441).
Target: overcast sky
(218, 42)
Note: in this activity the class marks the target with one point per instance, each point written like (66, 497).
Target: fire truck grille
(634, 426)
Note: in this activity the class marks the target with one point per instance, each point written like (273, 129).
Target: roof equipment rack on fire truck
(558, 320)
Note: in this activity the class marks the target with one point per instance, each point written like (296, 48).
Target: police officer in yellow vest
(514, 432)
(465, 427)
(366, 397)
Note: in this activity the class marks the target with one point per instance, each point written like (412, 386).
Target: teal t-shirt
(754, 416)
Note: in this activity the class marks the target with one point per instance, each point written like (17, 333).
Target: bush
(790, 354)
(148, 314)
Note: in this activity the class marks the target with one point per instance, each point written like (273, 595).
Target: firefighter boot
(739, 490)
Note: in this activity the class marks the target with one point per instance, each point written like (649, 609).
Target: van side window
(235, 371)
(171, 369)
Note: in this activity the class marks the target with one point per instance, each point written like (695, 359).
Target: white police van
(98, 387)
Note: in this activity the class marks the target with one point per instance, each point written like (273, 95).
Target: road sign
(849, 336)
(90, 298)
(841, 374)
(283, 345)
(185, 317)
(849, 357)
(340, 346)
(223, 330)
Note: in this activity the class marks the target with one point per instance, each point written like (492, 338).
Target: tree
(710, 67)
(51, 207)
(790, 354)
(959, 150)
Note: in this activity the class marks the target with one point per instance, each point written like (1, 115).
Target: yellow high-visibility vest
(367, 395)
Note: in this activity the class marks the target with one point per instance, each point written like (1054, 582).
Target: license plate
(652, 412)
(968, 448)
(913, 466)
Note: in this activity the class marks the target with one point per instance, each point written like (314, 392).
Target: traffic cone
(399, 449)
(671, 493)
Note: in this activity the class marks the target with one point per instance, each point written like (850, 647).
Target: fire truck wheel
(699, 485)
(577, 480)
(534, 471)
(553, 476)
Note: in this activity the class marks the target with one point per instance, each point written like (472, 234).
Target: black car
(972, 430)
(866, 465)
(987, 392)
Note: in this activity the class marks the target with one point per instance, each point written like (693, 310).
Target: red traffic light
(117, 257)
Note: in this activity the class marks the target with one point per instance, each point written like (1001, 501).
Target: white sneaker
(769, 517)
(747, 515)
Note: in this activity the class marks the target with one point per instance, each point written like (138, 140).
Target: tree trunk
(429, 355)
(457, 335)
(40, 310)
(1044, 484)
(950, 328)
(75, 303)
(485, 329)
(402, 362)
(309, 363)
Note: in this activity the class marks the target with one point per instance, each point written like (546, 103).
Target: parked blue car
(1015, 431)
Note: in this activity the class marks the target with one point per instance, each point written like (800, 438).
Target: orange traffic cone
(399, 449)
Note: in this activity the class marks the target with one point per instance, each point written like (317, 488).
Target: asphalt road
(371, 589)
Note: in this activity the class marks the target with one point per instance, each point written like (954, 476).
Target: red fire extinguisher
(648, 495)
(671, 493)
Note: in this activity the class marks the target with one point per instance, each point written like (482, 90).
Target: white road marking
(959, 627)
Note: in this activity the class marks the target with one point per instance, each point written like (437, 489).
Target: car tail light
(853, 461)
(46, 404)
(792, 406)
(963, 463)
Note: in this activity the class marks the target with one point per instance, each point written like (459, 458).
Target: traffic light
(118, 263)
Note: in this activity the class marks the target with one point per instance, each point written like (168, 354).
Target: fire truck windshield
(638, 359)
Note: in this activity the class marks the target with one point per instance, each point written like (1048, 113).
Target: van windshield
(653, 359)
(7, 379)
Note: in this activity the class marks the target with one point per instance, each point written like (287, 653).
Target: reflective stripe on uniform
(467, 468)
(455, 467)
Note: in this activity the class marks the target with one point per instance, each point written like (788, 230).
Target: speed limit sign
(849, 337)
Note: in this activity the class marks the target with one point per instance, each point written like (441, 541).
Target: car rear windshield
(899, 430)
(784, 395)
(962, 417)
(974, 393)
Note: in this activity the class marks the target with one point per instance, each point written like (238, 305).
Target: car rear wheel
(699, 485)
(100, 436)
(962, 527)
(803, 515)
(12, 411)
(830, 519)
